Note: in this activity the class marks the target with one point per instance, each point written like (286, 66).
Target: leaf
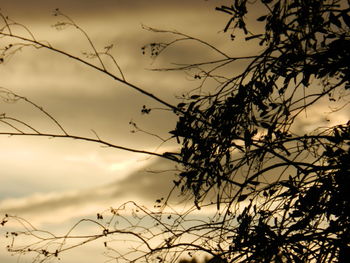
(265, 125)
(174, 132)
(247, 138)
(228, 24)
(224, 9)
(264, 113)
(334, 20)
(296, 213)
(262, 18)
(272, 191)
(252, 37)
(254, 182)
(242, 198)
(346, 18)
(273, 105)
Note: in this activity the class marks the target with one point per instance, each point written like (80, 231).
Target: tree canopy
(280, 192)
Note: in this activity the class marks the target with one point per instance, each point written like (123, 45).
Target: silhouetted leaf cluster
(233, 139)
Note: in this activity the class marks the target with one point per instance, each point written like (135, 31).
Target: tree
(279, 193)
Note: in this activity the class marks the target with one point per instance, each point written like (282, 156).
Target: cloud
(92, 8)
(145, 186)
(150, 183)
(51, 181)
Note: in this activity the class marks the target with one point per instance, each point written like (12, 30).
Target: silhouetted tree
(281, 194)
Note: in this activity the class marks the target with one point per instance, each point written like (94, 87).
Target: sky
(54, 182)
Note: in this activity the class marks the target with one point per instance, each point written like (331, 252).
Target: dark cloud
(88, 8)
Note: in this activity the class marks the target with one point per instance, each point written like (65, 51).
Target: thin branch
(99, 141)
(187, 37)
(49, 47)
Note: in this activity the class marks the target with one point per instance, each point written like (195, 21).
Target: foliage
(247, 125)
(280, 193)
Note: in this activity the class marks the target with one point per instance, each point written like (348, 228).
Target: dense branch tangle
(249, 119)
(239, 133)
(147, 235)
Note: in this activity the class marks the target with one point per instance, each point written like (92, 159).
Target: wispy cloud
(145, 185)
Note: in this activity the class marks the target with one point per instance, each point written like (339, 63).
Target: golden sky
(51, 182)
